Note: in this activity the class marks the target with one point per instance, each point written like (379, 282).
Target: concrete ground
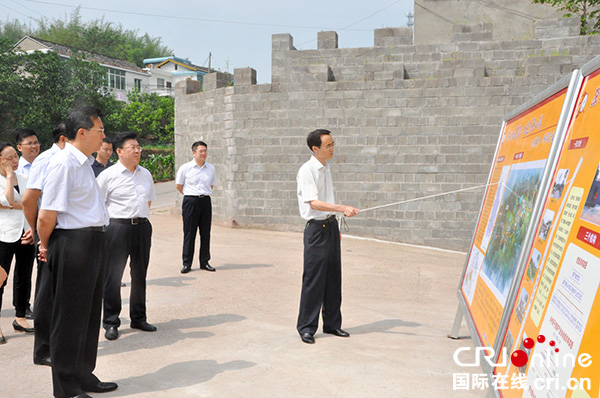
(232, 333)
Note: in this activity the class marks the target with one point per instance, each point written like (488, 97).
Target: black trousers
(322, 277)
(42, 310)
(197, 215)
(23, 255)
(126, 241)
(77, 261)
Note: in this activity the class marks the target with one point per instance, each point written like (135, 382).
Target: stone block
(244, 76)
(327, 40)
(393, 37)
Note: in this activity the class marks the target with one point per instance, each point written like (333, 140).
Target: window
(116, 79)
(168, 84)
(137, 84)
(160, 83)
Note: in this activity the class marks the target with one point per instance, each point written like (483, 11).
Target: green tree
(149, 115)
(39, 89)
(99, 36)
(586, 9)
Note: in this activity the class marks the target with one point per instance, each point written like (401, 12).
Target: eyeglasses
(34, 143)
(134, 148)
(329, 146)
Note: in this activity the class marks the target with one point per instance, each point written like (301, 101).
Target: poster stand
(565, 87)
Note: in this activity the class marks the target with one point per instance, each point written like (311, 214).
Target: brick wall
(408, 121)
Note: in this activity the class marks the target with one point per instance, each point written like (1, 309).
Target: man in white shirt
(29, 146)
(128, 191)
(195, 181)
(322, 276)
(43, 286)
(71, 224)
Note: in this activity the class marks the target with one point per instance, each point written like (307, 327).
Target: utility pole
(209, 56)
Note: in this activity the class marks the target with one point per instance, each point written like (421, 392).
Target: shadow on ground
(168, 333)
(177, 375)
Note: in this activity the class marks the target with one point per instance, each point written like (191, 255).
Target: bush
(162, 167)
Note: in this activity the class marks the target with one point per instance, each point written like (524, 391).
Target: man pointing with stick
(322, 276)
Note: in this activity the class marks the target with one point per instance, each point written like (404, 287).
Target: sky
(236, 33)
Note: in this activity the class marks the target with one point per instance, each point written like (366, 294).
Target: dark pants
(197, 215)
(126, 241)
(42, 311)
(23, 255)
(77, 261)
(322, 277)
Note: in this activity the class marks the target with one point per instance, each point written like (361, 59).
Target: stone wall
(408, 121)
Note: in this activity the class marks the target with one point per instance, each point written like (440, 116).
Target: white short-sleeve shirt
(196, 180)
(38, 168)
(314, 183)
(24, 166)
(126, 194)
(71, 190)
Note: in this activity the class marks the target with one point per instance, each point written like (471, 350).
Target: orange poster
(552, 343)
(506, 213)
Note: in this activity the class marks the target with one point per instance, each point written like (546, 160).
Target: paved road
(231, 333)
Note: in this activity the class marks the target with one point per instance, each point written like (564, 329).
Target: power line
(354, 23)
(30, 9)
(185, 18)
(510, 11)
(434, 13)
(19, 12)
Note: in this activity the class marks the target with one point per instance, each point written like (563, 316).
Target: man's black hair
(3, 145)
(120, 139)
(314, 138)
(58, 131)
(81, 117)
(197, 144)
(22, 134)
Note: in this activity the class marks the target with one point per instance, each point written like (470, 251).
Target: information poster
(516, 174)
(553, 340)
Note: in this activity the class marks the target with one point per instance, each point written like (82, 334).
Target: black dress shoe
(308, 338)
(112, 333)
(207, 267)
(143, 326)
(101, 387)
(186, 269)
(20, 328)
(337, 332)
(44, 361)
(28, 313)
(2, 340)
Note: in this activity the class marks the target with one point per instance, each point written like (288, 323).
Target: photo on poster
(559, 184)
(514, 215)
(494, 212)
(522, 304)
(534, 265)
(591, 208)
(546, 224)
(472, 273)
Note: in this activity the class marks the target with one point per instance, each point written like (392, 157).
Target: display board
(508, 216)
(552, 339)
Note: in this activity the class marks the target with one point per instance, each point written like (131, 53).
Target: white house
(167, 71)
(123, 76)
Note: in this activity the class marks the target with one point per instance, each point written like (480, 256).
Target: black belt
(131, 221)
(86, 229)
(329, 219)
(197, 196)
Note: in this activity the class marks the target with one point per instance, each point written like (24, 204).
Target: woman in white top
(16, 239)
